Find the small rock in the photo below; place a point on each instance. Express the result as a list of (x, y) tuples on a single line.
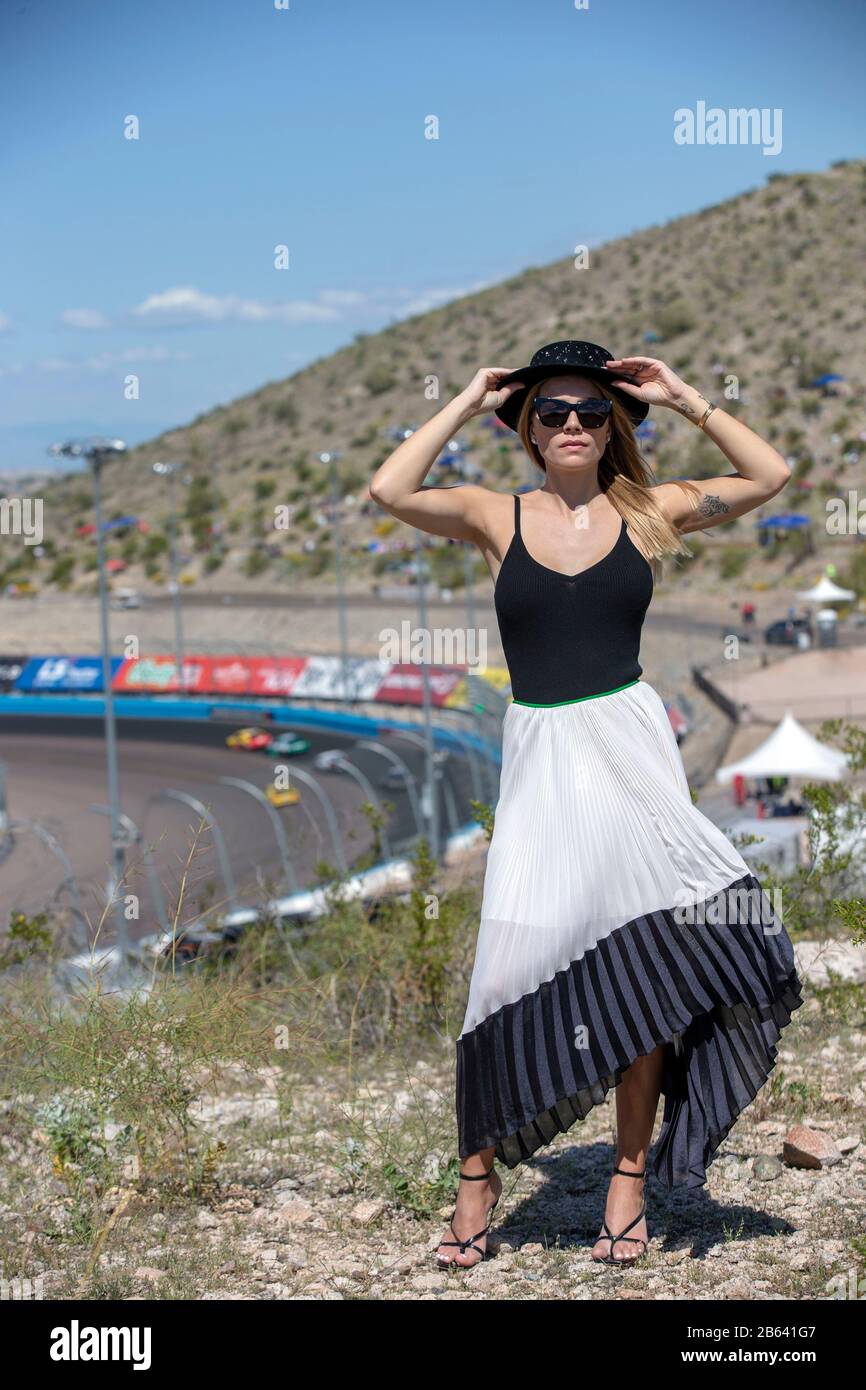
[(532, 1248), (849, 1143), (802, 1259), (149, 1273), (324, 1291), (735, 1288), (295, 1213), (676, 1257), (206, 1221), (294, 1258), (819, 961), (766, 1167), (809, 1148), (365, 1213), (427, 1281)]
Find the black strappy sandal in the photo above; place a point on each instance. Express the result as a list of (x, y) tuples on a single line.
[(608, 1235), (465, 1245)]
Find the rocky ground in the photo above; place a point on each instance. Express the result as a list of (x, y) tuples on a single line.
[(340, 1199)]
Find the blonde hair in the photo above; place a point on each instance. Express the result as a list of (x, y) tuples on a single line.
[(626, 478)]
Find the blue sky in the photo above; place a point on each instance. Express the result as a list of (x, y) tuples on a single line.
[(305, 127)]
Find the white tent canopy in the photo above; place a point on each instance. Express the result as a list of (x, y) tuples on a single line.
[(790, 751), (825, 591)]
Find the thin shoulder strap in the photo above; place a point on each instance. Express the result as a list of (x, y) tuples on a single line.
[(517, 514)]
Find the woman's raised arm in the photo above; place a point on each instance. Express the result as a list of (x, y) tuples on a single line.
[(398, 484), (761, 471)]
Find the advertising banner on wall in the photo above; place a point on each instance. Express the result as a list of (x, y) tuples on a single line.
[(65, 673), (10, 670), (298, 677)]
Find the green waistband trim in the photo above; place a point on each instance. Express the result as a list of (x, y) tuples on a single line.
[(532, 705)]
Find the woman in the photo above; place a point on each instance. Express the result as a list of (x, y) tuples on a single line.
[(623, 941)]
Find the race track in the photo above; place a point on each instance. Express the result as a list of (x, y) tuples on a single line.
[(56, 770)]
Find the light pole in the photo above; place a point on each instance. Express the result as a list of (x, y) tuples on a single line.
[(430, 801), (331, 460), (169, 470), (97, 451)]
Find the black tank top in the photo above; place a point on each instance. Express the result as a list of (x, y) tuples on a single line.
[(568, 637)]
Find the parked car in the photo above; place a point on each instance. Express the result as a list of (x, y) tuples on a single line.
[(126, 598), (251, 739), (288, 744), (783, 633)]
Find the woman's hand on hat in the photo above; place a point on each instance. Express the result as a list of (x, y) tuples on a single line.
[(482, 393), (654, 380)]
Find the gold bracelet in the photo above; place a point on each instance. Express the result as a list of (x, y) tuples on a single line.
[(710, 408)]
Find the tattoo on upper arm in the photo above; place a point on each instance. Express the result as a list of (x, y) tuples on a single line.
[(712, 506)]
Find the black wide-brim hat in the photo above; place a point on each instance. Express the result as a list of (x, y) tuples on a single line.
[(559, 359)]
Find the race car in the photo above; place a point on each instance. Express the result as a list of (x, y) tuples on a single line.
[(288, 744), (282, 796), (251, 739), (328, 759)]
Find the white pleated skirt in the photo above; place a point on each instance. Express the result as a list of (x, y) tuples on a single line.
[(615, 917)]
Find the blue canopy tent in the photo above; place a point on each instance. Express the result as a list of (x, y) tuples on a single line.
[(779, 526), (784, 521)]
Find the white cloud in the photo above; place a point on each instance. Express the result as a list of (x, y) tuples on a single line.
[(108, 361), (84, 318), (5, 323), (105, 361), (54, 364), (186, 305), (348, 299), (419, 302)]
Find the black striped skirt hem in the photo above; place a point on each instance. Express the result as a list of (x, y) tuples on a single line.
[(717, 990)]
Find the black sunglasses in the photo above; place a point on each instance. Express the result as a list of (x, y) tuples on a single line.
[(554, 412)]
